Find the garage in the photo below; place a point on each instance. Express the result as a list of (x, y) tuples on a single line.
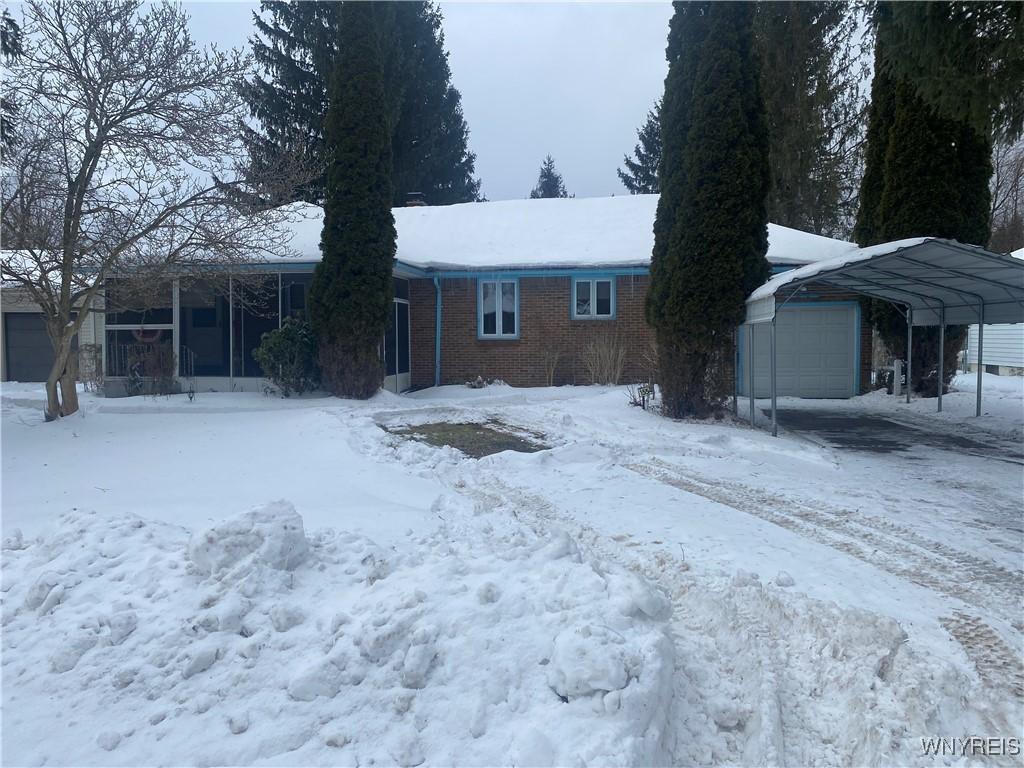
[(817, 352), (27, 349)]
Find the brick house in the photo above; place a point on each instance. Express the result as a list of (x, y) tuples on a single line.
[(526, 291)]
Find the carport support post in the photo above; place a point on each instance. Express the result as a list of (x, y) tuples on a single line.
[(910, 340), (736, 372), (750, 371), (981, 340), (942, 352), (775, 420)]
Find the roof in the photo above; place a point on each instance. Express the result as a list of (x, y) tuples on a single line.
[(931, 275), (598, 232)]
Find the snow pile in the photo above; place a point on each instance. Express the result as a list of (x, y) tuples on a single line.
[(132, 642)]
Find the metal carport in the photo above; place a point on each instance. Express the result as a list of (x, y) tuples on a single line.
[(933, 282)]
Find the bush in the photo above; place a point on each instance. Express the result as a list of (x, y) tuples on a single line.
[(604, 357), (288, 357)]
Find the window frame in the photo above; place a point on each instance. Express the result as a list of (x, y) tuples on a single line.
[(500, 335), (593, 281)]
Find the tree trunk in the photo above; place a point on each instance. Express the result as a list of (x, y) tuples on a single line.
[(62, 372)]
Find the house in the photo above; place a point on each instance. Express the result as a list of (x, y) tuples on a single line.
[(1003, 351), (526, 291)]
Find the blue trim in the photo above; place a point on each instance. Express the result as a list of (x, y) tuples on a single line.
[(497, 308), (510, 274), (437, 332), (591, 279)]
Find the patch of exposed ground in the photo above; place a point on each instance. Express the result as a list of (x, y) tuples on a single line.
[(474, 439)]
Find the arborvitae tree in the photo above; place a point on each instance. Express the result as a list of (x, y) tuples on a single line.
[(351, 293), (933, 181), (549, 182), (296, 45), (811, 80), (640, 175), (711, 231), (10, 50)]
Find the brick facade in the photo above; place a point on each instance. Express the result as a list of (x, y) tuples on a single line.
[(547, 333), (548, 336)]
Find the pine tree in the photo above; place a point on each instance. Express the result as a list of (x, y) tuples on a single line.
[(711, 231), (811, 81), (965, 59), (10, 50), (549, 181), (926, 175), (640, 176), (296, 46), (351, 293)]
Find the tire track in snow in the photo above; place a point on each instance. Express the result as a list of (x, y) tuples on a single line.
[(948, 572)]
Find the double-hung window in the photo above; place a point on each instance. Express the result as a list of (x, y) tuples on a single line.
[(498, 303), (593, 299)]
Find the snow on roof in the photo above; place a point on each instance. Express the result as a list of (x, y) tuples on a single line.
[(599, 232), (842, 260)]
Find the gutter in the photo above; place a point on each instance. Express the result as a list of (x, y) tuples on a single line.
[(437, 331)]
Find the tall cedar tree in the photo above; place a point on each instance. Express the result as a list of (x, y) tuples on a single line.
[(811, 80), (352, 289), (549, 181), (711, 232), (296, 46), (926, 175), (640, 175)]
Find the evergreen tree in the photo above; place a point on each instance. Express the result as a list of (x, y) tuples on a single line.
[(640, 176), (351, 293), (296, 46), (549, 182), (965, 59), (926, 175), (811, 80), (10, 50), (711, 231)]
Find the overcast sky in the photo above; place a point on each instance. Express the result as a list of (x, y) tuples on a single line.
[(571, 79)]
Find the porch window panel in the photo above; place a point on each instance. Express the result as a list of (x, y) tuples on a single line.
[(256, 313), (138, 304), (203, 326)]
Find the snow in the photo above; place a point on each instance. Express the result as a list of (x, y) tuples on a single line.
[(246, 580), (603, 232)]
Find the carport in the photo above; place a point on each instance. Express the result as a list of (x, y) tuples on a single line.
[(931, 281)]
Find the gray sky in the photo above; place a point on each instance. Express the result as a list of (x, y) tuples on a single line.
[(571, 79)]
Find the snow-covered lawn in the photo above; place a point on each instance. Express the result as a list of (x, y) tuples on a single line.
[(243, 580)]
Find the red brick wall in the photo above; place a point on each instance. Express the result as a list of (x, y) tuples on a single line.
[(546, 328), (547, 334)]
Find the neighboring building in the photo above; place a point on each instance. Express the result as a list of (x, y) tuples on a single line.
[(1003, 350), (524, 291)]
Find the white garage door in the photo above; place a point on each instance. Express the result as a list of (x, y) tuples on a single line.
[(817, 355)]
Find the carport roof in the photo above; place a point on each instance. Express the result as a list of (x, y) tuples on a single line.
[(925, 273)]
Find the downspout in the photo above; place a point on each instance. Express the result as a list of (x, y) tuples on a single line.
[(437, 331)]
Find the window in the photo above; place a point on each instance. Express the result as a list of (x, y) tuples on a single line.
[(498, 309), (593, 299)]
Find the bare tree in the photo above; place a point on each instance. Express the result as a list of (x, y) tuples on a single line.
[(128, 162), (1007, 186)]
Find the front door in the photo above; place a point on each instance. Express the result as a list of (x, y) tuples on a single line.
[(396, 341)]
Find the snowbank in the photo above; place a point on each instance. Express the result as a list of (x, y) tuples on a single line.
[(132, 642)]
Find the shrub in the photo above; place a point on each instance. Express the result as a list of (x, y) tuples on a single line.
[(604, 357), (288, 357)]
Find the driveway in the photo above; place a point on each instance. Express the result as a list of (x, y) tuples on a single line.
[(870, 433)]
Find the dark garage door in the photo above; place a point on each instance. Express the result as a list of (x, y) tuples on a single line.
[(28, 349)]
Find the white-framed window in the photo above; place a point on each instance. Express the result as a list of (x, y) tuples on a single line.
[(498, 309), (593, 298)]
